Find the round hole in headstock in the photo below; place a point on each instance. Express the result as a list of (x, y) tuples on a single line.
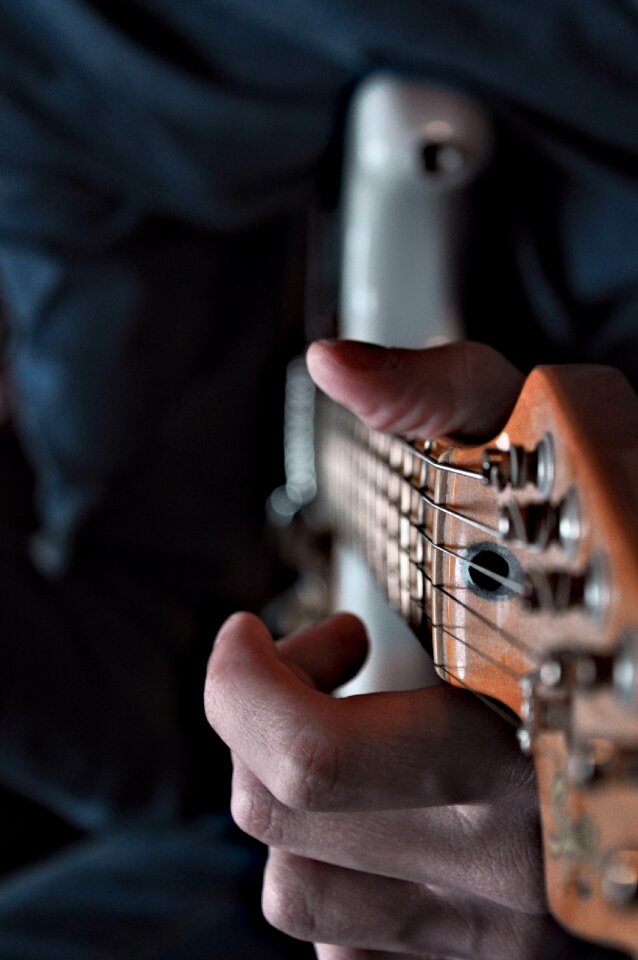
[(491, 571)]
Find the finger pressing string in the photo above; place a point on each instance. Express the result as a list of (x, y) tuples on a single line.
[(431, 392)]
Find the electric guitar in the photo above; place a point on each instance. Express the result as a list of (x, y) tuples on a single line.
[(516, 565)]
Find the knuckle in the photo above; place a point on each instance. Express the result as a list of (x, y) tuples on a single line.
[(286, 904), (308, 773), (221, 682), (257, 813)]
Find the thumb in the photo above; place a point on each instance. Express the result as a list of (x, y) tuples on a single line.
[(460, 388), (327, 654)]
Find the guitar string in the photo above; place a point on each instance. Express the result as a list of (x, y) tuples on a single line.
[(486, 656), (431, 461), (485, 700), (514, 585), (494, 707), (351, 425), (504, 581), (499, 711), (542, 749), (391, 470), (410, 445), (495, 628), (517, 587), (367, 449), (514, 641), (470, 521), (437, 507)]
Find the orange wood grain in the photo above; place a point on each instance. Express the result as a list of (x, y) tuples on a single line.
[(486, 644)]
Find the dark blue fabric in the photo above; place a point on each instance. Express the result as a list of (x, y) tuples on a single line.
[(156, 160), (188, 892), (100, 131)]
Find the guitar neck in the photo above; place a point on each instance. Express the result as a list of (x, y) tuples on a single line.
[(375, 493), (515, 564)]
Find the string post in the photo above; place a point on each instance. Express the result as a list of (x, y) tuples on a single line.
[(515, 467), (541, 524)]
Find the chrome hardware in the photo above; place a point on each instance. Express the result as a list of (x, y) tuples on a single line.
[(547, 693), (551, 673), (624, 667), (300, 487), (620, 878), (516, 467), (569, 522), (539, 524), (559, 591), (490, 571), (592, 759), (534, 525), (524, 740), (553, 591)]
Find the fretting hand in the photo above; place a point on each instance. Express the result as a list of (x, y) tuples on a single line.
[(398, 823)]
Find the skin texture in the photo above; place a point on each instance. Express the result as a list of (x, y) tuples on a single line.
[(399, 824)]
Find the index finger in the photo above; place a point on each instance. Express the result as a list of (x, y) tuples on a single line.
[(377, 751)]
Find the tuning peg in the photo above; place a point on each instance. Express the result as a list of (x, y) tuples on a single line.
[(540, 524), (620, 878), (514, 466), (560, 591)]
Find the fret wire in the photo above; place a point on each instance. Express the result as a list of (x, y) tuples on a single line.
[(383, 453), (513, 585), (463, 518), (465, 643)]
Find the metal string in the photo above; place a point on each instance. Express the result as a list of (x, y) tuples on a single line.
[(503, 714), (514, 585), (483, 527), (425, 457), (466, 643)]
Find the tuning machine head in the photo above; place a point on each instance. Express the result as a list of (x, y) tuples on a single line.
[(538, 525), (515, 466)]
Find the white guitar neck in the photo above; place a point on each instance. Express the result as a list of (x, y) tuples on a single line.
[(412, 155)]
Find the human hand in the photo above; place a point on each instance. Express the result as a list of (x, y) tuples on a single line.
[(399, 823)]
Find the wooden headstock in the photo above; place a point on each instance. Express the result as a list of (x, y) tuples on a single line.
[(562, 651), (518, 561)]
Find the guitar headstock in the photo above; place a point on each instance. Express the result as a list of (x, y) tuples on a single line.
[(536, 605)]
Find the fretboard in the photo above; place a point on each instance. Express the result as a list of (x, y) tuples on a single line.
[(376, 491)]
